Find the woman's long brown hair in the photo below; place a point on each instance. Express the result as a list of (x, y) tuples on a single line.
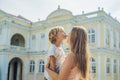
[(79, 46)]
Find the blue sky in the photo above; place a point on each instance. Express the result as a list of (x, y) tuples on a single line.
[(40, 9)]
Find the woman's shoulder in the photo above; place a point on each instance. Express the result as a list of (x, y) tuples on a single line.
[(70, 58), (70, 55)]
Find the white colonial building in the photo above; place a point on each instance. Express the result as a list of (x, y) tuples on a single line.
[(24, 44)]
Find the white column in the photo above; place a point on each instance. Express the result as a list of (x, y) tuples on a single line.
[(118, 41), (5, 37), (118, 70), (26, 68), (105, 35), (43, 41), (46, 39), (18, 71), (105, 67), (27, 44), (112, 69), (33, 42), (3, 65), (35, 70), (98, 35), (99, 67), (111, 39), (6, 67), (11, 72)]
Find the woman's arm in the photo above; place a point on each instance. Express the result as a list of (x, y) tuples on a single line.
[(66, 67), (53, 74), (64, 71)]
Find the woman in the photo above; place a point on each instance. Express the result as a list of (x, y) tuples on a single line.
[(76, 64)]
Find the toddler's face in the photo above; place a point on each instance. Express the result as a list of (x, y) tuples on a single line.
[(61, 35)]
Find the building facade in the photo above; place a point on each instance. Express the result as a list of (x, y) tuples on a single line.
[(24, 44)]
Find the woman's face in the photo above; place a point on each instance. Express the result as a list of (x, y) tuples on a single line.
[(61, 35)]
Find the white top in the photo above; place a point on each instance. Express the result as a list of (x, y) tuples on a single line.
[(59, 55)]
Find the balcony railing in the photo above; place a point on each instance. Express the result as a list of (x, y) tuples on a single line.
[(19, 49), (13, 49)]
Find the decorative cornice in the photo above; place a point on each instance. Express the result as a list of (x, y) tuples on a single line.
[(77, 19), (9, 23), (112, 22), (106, 50), (89, 20)]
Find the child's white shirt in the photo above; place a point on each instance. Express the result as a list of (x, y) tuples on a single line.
[(59, 56)]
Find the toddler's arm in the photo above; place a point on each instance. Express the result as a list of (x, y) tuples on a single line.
[(52, 63)]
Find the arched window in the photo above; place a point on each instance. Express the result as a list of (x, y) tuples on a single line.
[(91, 34), (18, 40), (41, 66), (108, 65), (32, 66), (93, 65), (115, 66)]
